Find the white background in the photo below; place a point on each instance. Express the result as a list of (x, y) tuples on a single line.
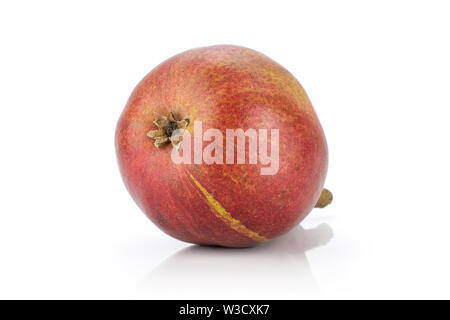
[(378, 74)]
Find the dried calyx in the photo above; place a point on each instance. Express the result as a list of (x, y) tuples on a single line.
[(170, 130)]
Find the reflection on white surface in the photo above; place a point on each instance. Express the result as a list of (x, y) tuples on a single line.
[(278, 269)]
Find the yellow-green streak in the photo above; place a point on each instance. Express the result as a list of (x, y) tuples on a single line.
[(226, 217)]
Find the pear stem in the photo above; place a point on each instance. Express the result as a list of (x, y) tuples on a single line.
[(325, 199)]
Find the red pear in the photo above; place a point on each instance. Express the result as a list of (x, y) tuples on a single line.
[(221, 146)]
